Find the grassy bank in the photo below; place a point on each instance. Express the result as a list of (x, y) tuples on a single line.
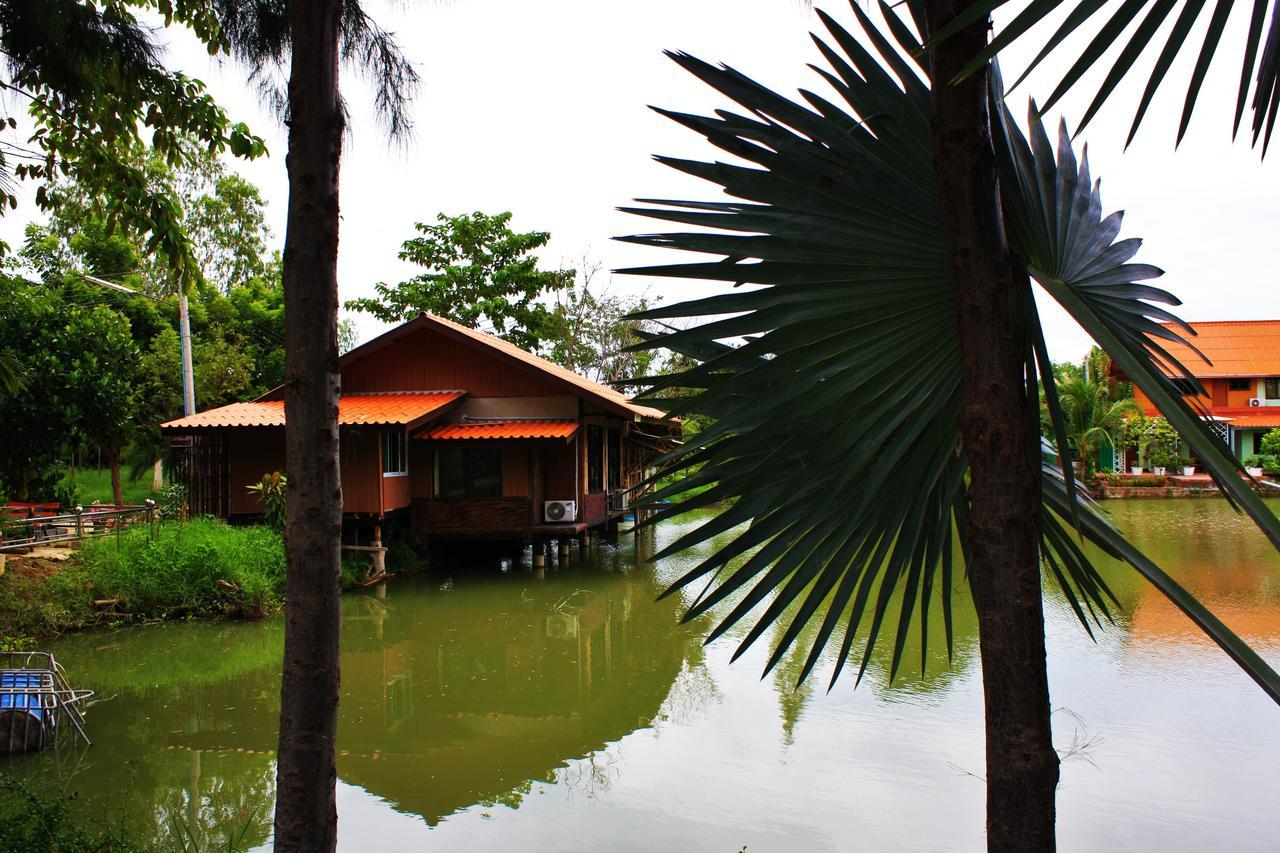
[(199, 568)]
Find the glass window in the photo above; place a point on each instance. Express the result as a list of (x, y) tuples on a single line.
[(395, 453), (595, 459), (469, 473), (1273, 388), (1240, 384)]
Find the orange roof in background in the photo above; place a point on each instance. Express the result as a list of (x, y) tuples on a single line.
[(595, 389), (353, 410), (501, 429), (1248, 418), (1235, 348)]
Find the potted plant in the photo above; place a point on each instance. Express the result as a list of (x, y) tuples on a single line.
[(1161, 458), (1188, 465), (1253, 465), (1134, 438)]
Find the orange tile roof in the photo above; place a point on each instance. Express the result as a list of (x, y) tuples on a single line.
[(595, 389), (1235, 348), (353, 409), (1251, 421), (501, 429)]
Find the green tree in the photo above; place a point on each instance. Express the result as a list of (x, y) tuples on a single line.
[(100, 364), (593, 332), (479, 273), (94, 88), (878, 425)]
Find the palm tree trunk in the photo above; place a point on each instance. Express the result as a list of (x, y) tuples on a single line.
[(999, 423), (306, 775)]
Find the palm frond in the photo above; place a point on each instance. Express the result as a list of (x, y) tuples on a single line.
[(1142, 21), (833, 384), (259, 37)]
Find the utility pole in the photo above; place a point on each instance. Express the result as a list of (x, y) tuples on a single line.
[(184, 332)]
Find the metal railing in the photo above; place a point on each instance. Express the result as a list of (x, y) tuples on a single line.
[(20, 534)]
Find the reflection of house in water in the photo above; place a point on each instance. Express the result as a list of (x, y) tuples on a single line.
[(1235, 593), (468, 697), (473, 703)]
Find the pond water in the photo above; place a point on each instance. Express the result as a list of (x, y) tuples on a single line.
[(494, 711)]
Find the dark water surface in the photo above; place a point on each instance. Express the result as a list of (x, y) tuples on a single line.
[(494, 711)]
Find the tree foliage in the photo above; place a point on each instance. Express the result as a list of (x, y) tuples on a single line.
[(97, 94), (479, 273), (594, 332)]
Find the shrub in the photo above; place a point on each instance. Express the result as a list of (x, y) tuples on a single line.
[(30, 820), (199, 567), (1270, 445), (272, 490)]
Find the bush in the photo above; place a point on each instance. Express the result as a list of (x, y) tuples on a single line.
[(200, 567), (1270, 445), (30, 820)]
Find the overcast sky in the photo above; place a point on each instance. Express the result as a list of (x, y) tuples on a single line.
[(541, 109)]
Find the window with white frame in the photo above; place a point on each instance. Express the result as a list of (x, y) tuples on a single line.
[(395, 453)]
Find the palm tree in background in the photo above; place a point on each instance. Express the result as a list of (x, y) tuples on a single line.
[(1092, 417), (876, 430), (313, 38)]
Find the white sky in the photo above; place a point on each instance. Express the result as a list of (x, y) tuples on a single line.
[(541, 109)]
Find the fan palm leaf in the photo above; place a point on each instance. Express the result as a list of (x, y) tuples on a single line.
[(1259, 73), (834, 386)]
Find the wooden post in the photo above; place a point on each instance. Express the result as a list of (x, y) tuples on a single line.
[(379, 556), (79, 510)]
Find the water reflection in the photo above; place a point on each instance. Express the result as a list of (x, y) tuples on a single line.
[(495, 711), (454, 694)]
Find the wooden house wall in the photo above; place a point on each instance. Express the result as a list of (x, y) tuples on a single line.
[(361, 470), (251, 453), (395, 492), (425, 360), (559, 467)]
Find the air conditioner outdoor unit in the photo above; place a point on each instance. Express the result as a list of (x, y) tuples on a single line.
[(560, 510), (1255, 401)]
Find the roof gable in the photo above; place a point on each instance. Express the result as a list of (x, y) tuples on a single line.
[(508, 354)]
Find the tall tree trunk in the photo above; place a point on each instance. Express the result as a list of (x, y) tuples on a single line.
[(113, 461), (306, 813), (999, 424), (157, 476)]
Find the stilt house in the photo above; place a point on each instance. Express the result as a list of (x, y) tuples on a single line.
[(468, 435)]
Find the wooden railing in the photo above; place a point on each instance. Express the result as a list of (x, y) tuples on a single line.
[(19, 532)]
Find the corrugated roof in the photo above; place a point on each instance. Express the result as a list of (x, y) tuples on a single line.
[(595, 389), (501, 429), (1255, 421), (353, 409), (1235, 348)]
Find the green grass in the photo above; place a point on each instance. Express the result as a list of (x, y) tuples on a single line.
[(201, 567), (94, 485), (175, 569)]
